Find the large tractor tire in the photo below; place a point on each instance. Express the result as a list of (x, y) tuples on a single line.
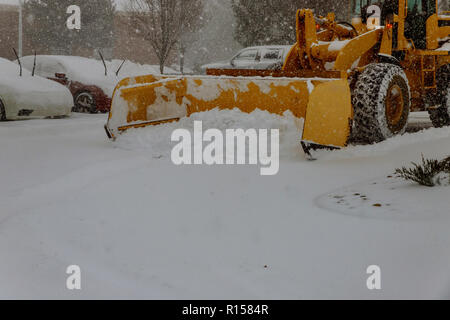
[(381, 101), (441, 115)]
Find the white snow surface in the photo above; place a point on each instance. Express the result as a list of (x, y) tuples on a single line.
[(141, 227)]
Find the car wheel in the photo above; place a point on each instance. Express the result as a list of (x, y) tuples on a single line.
[(85, 102), (2, 111)]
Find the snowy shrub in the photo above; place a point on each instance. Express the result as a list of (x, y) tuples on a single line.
[(429, 173)]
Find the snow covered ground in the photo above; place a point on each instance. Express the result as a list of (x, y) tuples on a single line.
[(140, 227)]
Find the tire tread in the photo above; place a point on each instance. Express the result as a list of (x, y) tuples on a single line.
[(368, 104)]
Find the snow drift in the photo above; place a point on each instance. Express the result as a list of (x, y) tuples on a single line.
[(156, 140)]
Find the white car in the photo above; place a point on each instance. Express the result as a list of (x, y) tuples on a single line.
[(257, 58), (27, 96)]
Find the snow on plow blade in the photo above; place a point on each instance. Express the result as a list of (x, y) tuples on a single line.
[(153, 100)]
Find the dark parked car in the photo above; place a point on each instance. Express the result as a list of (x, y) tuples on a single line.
[(85, 78)]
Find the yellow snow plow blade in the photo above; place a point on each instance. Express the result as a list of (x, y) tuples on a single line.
[(153, 100)]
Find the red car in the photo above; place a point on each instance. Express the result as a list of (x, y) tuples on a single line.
[(91, 89)]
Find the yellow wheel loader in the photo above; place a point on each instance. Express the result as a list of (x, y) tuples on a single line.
[(353, 81)]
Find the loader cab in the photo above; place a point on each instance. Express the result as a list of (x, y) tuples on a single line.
[(373, 13), (366, 9), (419, 11)]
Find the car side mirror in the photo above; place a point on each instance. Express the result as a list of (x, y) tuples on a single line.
[(232, 62), (60, 76)]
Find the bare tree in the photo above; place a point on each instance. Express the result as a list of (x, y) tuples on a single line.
[(164, 22)]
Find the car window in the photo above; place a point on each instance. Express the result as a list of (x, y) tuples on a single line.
[(247, 55), (271, 54)]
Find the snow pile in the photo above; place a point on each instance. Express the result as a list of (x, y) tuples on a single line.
[(156, 140)]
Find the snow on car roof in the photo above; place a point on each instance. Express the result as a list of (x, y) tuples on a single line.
[(10, 79), (10, 68), (73, 63)]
